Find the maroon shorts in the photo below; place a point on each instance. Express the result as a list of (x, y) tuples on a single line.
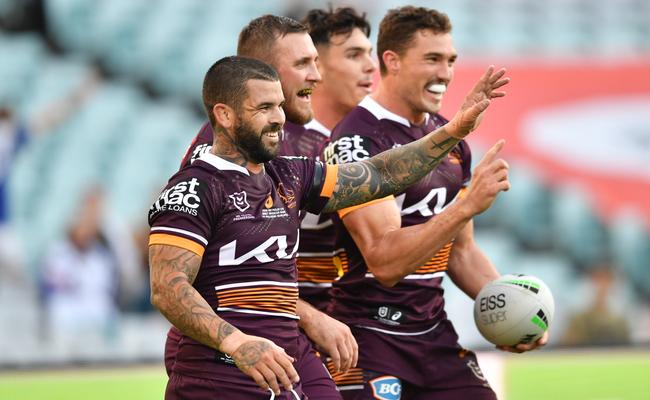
[(428, 366), (230, 383), (171, 348)]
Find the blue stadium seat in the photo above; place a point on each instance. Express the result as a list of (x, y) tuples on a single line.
[(630, 247), (576, 228)]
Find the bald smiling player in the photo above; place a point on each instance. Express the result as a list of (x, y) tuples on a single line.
[(341, 36)]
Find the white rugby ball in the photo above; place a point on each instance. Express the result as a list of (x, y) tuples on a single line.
[(514, 309)]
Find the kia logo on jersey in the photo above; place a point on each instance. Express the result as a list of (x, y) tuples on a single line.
[(239, 201)]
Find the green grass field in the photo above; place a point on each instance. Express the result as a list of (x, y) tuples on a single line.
[(540, 375), (578, 376)]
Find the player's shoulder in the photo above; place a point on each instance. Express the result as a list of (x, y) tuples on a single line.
[(358, 121)]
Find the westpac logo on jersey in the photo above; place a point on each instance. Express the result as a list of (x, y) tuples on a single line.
[(386, 388), (347, 149), (182, 197), (199, 151)]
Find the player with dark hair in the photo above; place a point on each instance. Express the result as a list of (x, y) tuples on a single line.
[(224, 234), (397, 249), (286, 45), (347, 67)]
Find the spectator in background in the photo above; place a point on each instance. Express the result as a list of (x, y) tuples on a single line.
[(598, 324), (79, 279), (15, 135)]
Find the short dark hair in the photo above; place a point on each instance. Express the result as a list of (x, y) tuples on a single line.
[(225, 81), (323, 24), (257, 39), (397, 29)]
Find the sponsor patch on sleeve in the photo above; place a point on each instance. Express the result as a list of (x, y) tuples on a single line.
[(183, 197), (347, 149)]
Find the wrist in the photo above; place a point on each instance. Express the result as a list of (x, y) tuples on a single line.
[(465, 209), (231, 343)]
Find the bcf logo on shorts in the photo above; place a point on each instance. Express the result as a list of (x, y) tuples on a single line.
[(386, 388)]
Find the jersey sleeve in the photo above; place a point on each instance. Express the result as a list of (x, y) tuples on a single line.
[(318, 183), (200, 144), (346, 147), (183, 214)]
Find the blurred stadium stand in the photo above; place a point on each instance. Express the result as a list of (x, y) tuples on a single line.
[(130, 135)]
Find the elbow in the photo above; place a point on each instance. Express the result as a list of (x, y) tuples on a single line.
[(157, 298), (384, 276)]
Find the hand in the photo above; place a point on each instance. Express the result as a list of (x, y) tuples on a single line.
[(261, 359), (470, 115), (521, 348), (335, 339), (489, 178)]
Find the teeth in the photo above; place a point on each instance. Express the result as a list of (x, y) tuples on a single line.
[(437, 88), (305, 92)]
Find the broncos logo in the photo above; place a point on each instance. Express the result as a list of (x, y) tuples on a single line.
[(239, 201), (287, 195)]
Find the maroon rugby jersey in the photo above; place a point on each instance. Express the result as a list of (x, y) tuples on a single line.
[(415, 304), (316, 269), (245, 226)]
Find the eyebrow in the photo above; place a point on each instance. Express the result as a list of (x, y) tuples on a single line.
[(303, 60), (357, 48), (436, 54)]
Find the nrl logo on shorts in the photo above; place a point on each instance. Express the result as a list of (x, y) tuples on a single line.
[(239, 201)]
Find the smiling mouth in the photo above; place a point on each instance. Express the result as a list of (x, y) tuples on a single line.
[(437, 88), (305, 93)]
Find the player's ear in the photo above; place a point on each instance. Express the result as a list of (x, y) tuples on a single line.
[(224, 115), (391, 61)]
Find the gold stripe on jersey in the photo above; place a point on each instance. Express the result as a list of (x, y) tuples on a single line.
[(345, 211), (274, 299), (331, 176), (341, 262), (316, 269), (438, 262), (353, 376), (176, 241)]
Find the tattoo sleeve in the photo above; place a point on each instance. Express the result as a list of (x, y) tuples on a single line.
[(172, 271), (389, 172)]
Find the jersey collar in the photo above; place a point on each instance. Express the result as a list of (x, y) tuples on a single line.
[(318, 127), (380, 112), (221, 164)]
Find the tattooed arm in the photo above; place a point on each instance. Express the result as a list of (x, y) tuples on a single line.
[(394, 170), (172, 271)]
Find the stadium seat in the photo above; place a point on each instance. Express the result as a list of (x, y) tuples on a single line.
[(576, 228), (630, 248)]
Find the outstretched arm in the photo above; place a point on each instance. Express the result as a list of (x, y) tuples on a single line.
[(172, 271), (394, 170)]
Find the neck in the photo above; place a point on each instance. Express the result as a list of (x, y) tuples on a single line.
[(224, 147), (327, 111), (388, 96)]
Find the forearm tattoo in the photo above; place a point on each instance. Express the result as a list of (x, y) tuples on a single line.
[(172, 272), (389, 172)]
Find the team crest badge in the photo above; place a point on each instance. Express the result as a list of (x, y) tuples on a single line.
[(239, 201), (386, 388)]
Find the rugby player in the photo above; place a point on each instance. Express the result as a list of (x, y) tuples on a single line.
[(397, 249), (225, 275)]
